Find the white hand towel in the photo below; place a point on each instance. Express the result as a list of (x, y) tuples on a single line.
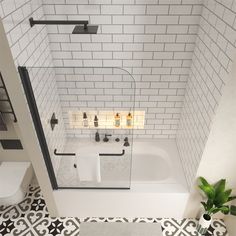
[(88, 166)]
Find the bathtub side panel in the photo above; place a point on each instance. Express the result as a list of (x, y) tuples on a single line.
[(115, 203)]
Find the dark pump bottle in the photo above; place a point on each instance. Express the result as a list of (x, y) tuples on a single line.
[(97, 137), (95, 121), (85, 120)]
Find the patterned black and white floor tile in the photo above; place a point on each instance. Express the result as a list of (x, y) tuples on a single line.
[(31, 218)]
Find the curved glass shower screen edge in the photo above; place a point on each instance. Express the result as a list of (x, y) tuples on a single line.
[(87, 116)]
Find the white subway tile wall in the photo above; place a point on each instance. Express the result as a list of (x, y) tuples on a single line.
[(212, 61), (153, 40), (95, 89), (172, 48), (30, 47)]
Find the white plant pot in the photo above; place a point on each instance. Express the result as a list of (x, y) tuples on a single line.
[(204, 223)]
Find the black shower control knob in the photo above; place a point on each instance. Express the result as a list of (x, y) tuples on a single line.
[(117, 140), (54, 121)]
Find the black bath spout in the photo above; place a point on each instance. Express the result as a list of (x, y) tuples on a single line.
[(113, 154), (106, 139)]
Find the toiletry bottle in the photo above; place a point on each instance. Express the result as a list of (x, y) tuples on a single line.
[(97, 137), (117, 120), (85, 120), (95, 121), (129, 120)]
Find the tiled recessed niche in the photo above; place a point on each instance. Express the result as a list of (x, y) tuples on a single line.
[(106, 119)]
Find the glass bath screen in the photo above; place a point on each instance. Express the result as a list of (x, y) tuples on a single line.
[(88, 119)]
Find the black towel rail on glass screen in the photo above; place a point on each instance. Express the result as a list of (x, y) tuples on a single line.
[(112, 154), (63, 154)]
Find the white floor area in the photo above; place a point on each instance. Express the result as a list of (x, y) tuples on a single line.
[(120, 229)]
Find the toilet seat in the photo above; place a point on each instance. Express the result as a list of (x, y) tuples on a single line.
[(14, 180)]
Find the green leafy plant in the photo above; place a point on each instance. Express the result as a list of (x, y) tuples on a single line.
[(217, 197)]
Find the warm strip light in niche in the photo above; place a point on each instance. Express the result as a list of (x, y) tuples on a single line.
[(106, 119)]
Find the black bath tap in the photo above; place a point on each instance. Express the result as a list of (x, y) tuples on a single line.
[(126, 144), (106, 139)]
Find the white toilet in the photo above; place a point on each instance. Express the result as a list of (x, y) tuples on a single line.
[(15, 178)]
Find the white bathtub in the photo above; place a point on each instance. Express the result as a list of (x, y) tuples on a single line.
[(156, 166), (158, 187)]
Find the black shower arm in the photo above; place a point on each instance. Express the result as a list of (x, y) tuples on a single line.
[(58, 22)]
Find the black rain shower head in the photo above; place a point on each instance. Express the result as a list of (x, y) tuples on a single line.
[(81, 27), (89, 29)]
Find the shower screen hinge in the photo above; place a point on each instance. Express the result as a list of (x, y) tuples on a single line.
[(53, 121)]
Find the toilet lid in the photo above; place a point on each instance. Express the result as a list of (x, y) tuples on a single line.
[(11, 177)]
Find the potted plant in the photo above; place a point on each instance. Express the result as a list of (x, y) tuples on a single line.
[(217, 200)]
